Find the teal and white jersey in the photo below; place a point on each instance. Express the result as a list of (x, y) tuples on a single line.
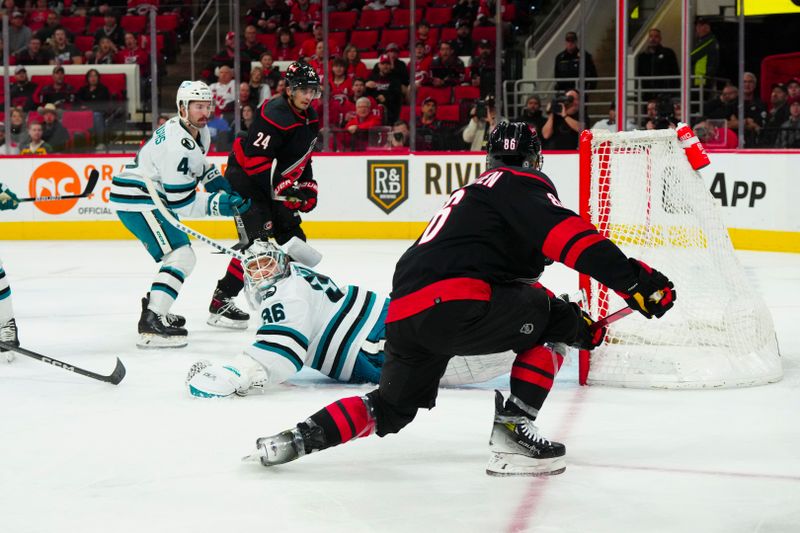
[(309, 321), (176, 163)]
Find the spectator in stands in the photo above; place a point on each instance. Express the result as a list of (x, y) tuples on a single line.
[(285, 49), (400, 136), (18, 33), (103, 52), (316, 60), (610, 123), (110, 29), (63, 52), (704, 56), (280, 89), (53, 23), (355, 67), (561, 130), (462, 44), (95, 97), (755, 111), (431, 134), (309, 47), (793, 88), (303, 15), (259, 89), (359, 91), (226, 57), (37, 16), (381, 4), (778, 114), (568, 64), (399, 69), (338, 82), (248, 115), (246, 97), (54, 133), (133, 54), (483, 119), (33, 54), (59, 93), (446, 69), (482, 68), (224, 93), (272, 74), (532, 114), (22, 89), (657, 60), (251, 46), (790, 130), (269, 16), (650, 115), (423, 64), (364, 119), (6, 148), (466, 10), (19, 133), (725, 106), (35, 145), (385, 88), (425, 37)]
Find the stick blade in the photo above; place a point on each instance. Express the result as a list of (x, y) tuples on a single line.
[(119, 372), (94, 176)]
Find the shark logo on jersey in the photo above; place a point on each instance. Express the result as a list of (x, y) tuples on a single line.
[(188, 143), (387, 183)]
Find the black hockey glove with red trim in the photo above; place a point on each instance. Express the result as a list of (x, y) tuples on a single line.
[(309, 190), (653, 294), (585, 337)]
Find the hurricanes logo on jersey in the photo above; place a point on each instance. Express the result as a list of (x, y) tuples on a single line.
[(387, 183)]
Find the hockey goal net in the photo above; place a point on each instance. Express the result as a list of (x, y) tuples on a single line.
[(640, 191)]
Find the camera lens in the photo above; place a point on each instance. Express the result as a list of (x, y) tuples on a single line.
[(398, 136)]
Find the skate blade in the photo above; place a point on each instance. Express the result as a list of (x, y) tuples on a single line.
[(506, 465), (226, 323), (148, 341)]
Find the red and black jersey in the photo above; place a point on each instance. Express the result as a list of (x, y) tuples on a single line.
[(278, 144), (502, 228)]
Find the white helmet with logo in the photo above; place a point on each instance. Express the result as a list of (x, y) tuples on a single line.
[(192, 91)]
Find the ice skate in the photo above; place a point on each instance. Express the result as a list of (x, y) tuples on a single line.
[(8, 335), (225, 314), (286, 446), (172, 320), (155, 332), (516, 447)]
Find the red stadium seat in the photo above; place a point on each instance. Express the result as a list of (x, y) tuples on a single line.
[(374, 18), (144, 42), (441, 95), (76, 25), (448, 34), (509, 11), (76, 80), (401, 17), (368, 54), (438, 16), (466, 92), (133, 23), (78, 123), (95, 23), (115, 83), (167, 23), (339, 38), (447, 113), (405, 113), (398, 37), (364, 39), (301, 36), (484, 32), (342, 20), (444, 3), (406, 4), (267, 40), (84, 43)]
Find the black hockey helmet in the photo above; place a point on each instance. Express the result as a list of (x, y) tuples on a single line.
[(513, 143), (301, 75)]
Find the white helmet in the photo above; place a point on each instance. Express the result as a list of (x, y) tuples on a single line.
[(264, 266), (192, 91)]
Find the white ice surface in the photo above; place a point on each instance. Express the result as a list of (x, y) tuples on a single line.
[(82, 456)]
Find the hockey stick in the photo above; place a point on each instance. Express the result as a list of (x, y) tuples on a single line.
[(610, 319), (94, 175), (240, 231), (167, 214), (114, 378)]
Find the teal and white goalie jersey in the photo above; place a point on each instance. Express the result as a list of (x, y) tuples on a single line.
[(176, 162), (309, 321)]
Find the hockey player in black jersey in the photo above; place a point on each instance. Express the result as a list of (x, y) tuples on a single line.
[(271, 165), (467, 286)]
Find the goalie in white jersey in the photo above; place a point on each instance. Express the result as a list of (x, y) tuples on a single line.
[(174, 161), (310, 321)]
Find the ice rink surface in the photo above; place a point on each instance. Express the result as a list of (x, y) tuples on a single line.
[(78, 455)]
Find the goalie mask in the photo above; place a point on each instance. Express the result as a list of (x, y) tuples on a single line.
[(514, 144), (264, 266)]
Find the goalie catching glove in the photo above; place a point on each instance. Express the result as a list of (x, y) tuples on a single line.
[(652, 294), (301, 195)]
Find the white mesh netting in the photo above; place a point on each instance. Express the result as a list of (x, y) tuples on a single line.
[(476, 368), (649, 201)]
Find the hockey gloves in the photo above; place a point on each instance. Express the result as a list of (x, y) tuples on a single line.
[(213, 181), (586, 337), (8, 200), (222, 203), (652, 294), (297, 195)]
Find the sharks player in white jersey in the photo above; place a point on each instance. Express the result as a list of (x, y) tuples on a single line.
[(8, 325), (174, 160), (310, 321)]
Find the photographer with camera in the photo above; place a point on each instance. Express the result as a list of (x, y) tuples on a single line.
[(563, 126), (399, 137), (483, 119)]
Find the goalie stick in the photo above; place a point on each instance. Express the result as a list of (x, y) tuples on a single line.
[(94, 176), (151, 189), (114, 378)]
